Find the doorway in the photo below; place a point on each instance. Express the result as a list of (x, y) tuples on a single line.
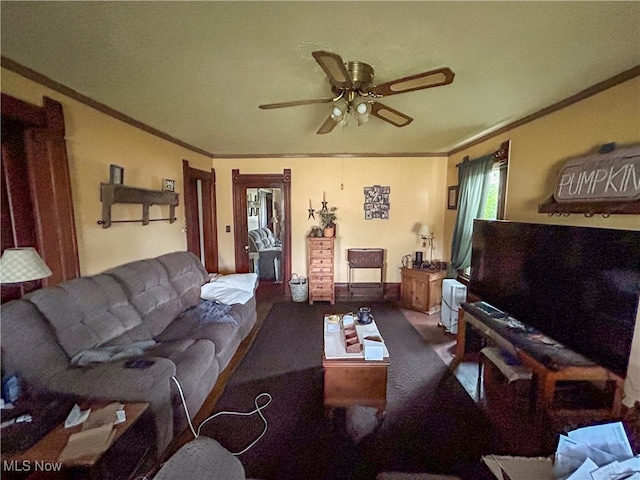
[(200, 214), (263, 202), (264, 214), (37, 207)]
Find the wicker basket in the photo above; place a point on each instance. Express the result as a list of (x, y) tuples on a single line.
[(299, 288)]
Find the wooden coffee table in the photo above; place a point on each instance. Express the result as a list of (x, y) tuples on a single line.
[(349, 379)]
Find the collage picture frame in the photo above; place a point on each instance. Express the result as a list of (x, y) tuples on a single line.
[(377, 202)]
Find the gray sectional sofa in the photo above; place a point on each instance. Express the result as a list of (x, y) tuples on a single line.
[(140, 308)]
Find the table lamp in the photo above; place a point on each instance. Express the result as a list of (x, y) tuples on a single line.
[(22, 264), (427, 237)]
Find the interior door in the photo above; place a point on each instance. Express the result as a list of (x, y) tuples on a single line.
[(200, 215)]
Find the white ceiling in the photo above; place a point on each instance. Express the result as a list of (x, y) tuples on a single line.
[(197, 71)]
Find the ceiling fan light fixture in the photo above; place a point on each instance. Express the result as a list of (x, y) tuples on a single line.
[(361, 109), (339, 109), (355, 95)]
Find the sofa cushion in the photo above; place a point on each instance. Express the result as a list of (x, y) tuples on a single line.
[(186, 274), (225, 336), (23, 325), (245, 315), (147, 285), (87, 312), (196, 371)]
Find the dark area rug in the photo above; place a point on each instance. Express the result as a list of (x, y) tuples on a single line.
[(430, 423)]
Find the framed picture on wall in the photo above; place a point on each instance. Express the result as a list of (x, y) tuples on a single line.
[(377, 202), (452, 198), (168, 185), (116, 174)]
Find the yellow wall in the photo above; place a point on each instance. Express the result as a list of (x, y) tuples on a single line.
[(94, 141), (539, 148), (418, 185), (416, 197)]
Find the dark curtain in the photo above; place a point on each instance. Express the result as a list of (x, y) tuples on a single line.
[(473, 178)]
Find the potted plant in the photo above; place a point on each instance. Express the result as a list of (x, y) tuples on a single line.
[(327, 221)]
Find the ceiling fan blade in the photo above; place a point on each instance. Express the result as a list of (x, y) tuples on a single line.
[(269, 106), (328, 125), (390, 115), (432, 78), (335, 69)]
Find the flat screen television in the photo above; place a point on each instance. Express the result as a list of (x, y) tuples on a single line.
[(578, 285)]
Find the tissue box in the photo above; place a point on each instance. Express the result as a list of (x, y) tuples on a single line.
[(373, 349)]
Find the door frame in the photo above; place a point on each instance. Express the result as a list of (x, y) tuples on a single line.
[(209, 217), (240, 184), (49, 184)]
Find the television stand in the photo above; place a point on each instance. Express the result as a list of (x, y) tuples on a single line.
[(550, 363), (490, 310)]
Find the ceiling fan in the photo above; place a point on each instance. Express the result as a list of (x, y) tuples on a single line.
[(354, 92)]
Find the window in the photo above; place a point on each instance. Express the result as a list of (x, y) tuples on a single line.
[(494, 208)]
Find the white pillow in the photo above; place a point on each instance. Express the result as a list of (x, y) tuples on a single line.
[(224, 293), (242, 281)]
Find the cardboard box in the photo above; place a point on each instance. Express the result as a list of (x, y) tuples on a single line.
[(520, 468)]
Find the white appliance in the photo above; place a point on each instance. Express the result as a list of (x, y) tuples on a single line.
[(453, 295)]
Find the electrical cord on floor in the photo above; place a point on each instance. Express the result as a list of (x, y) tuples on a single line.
[(257, 410), (449, 306), (455, 322)]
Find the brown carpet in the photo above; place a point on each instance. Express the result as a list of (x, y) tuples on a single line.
[(430, 425)]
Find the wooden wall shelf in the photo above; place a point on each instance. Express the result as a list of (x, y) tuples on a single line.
[(589, 209), (112, 193)]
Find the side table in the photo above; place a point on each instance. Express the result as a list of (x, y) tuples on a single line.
[(366, 258), (43, 456), (421, 290)]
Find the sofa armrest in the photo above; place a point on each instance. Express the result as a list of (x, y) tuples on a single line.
[(114, 381)]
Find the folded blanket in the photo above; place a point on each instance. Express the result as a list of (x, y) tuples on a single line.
[(214, 311), (110, 354)]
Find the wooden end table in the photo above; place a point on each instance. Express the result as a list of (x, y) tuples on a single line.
[(43, 456)]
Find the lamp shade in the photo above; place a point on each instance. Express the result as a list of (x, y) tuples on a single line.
[(22, 265), (424, 231), (339, 109)]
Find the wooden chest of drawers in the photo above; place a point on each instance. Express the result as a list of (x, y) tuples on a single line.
[(320, 269)]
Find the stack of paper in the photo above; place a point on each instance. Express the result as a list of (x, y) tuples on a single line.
[(600, 452), (97, 431)]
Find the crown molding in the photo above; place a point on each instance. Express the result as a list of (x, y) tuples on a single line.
[(587, 92), (58, 87), (26, 72)]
